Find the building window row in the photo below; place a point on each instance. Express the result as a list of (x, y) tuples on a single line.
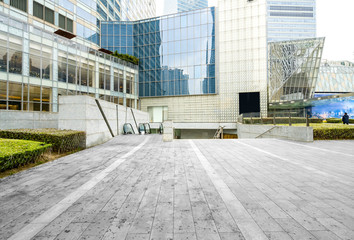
[(43, 13), (20, 96), (291, 8), (291, 14)]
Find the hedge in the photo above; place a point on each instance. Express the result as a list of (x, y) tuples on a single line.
[(330, 131), (333, 133), (61, 140), (280, 120), (337, 120), (15, 153)]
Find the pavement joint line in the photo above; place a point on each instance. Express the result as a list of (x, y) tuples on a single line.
[(248, 227), (34, 227), (322, 149), (284, 159)]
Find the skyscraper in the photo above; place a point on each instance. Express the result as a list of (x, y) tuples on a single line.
[(291, 20), (174, 6), (188, 5)]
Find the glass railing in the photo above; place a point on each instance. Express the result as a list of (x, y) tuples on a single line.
[(128, 129)]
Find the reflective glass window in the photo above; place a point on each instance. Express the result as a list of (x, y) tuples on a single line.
[(3, 55)]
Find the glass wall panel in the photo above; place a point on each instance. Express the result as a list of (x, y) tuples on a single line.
[(3, 95), (91, 73), (3, 56), (34, 98), (15, 96), (15, 61), (101, 77)]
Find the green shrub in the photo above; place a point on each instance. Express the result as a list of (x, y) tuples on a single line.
[(126, 57), (61, 140), (337, 120), (15, 153), (333, 133)]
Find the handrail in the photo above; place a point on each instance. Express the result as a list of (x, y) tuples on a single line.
[(266, 131)]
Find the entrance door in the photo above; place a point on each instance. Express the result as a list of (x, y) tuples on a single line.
[(249, 102)]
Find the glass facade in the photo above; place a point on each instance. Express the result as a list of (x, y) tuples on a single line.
[(188, 5), (176, 52), (293, 68), (36, 66), (336, 78), (291, 20)]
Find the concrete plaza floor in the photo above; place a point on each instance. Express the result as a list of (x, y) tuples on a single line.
[(138, 187)]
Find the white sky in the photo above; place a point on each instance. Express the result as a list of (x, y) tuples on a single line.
[(335, 21)]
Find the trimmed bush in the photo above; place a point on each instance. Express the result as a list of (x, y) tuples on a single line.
[(333, 133), (337, 120), (61, 140), (15, 153), (280, 120)]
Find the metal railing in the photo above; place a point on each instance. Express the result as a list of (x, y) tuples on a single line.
[(288, 117)]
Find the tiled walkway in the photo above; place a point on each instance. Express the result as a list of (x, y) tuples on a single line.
[(138, 187)]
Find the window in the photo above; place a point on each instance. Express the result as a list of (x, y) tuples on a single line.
[(65, 23), (43, 13), (19, 4), (49, 15), (38, 10), (69, 25), (62, 21)]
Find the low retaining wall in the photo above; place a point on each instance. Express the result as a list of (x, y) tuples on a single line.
[(82, 113), (10, 119), (77, 113), (304, 134)]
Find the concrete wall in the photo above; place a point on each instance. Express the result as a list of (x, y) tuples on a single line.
[(82, 113), (304, 134), (22, 119)]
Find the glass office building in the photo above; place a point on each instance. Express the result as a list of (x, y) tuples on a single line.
[(291, 20), (188, 5), (50, 48), (176, 52)]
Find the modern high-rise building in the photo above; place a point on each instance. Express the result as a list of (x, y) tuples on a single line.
[(291, 20), (177, 6), (188, 5), (51, 48), (201, 66)]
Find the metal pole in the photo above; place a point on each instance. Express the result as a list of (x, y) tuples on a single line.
[(289, 118), (104, 117), (307, 120), (134, 119), (117, 119)]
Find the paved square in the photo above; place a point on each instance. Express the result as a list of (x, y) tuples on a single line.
[(138, 187)]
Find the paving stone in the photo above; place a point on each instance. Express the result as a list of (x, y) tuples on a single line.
[(186, 189)]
